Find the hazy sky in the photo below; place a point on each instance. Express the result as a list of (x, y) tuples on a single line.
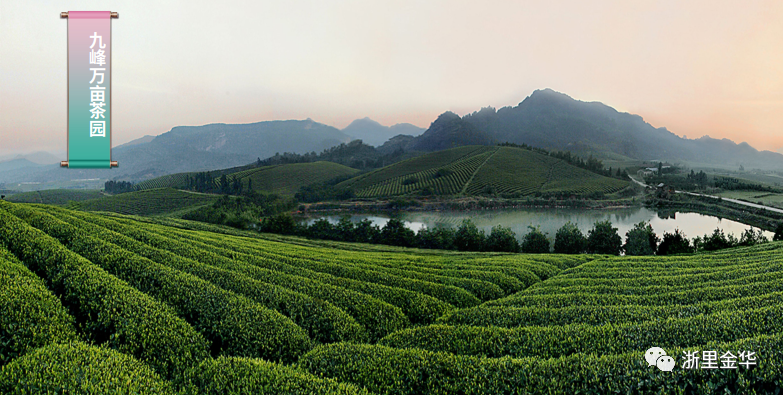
[(695, 67)]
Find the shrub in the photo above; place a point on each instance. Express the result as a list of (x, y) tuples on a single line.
[(233, 323), (378, 317), (603, 239), (322, 320), (76, 368), (570, 240), (386, 370), (641, 240), (556, 341), (240, 376), (30, 315), (535, 242), (109, 309)]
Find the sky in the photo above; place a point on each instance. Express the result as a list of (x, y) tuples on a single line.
[(695, 67)]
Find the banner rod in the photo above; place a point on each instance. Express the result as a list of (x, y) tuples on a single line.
[(113, 163), (114, 15)]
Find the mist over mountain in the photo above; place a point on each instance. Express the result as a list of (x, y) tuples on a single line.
[(553, 120), (198, 148), (140, 140), (375, 134), (39, 157), (16, 164)]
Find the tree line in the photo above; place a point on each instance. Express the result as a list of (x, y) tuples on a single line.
[(117, 187), (603, 238)]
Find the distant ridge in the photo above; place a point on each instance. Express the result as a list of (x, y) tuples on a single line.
[(375, 134)]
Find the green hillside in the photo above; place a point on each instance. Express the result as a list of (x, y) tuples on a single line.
[(287, 179), (474, 170), (280, 179), (176, 181), (55, 196), (149, 202), (195, 308)]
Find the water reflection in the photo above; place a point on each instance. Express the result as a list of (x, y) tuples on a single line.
[(550, 220)]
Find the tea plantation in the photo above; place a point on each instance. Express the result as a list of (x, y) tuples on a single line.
[(474, 170), (95, 303)]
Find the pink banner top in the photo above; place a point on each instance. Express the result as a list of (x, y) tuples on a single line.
[(89, 14)]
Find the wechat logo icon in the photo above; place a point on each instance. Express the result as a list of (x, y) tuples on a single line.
[(656, 356)]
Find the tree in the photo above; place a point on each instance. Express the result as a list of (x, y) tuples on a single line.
[(674, 243), (752, 237), (437, 238), (366, 232), (502, 240), (321, 229), (778, 233), (716, 241), (570, 240), (397, 234), (604, 239), (282, 224), (535, 242), (641, 240), (345, 229), (468, 237)]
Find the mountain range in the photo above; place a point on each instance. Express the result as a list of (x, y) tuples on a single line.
[(545, 119), (375, 134), (555, 121), (197, 148)]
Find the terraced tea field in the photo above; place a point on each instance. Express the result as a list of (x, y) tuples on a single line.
[(287, 179), (278, 179), (55, 196), (149, 202), (108, 304), (474, 170)]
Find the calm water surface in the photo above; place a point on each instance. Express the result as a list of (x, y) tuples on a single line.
[(550, 220)]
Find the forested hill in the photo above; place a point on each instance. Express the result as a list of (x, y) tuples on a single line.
[(199, 148), (553, 120)]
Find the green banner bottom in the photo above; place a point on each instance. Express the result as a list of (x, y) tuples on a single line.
[(89, 164)]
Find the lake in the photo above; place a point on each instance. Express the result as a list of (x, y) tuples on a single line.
[(550, 220)]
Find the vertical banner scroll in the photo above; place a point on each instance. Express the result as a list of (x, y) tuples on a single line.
[(89, 89)]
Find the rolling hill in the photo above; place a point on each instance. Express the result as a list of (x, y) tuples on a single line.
[(473, 170), (149, 202), (55, 196), (197, 148), (278, 179), (287, 179)]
